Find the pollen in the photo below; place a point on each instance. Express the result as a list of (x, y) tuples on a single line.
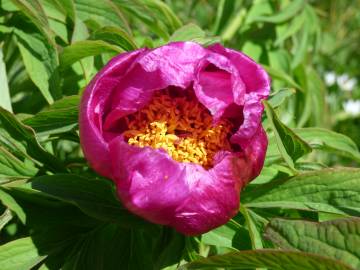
[(180, 125)]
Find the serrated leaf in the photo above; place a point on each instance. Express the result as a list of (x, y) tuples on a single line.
[(291, 147), (85, 48), (20, 254), (331, 190), (329, 141), (62, 116), (273, 259), (338, 239)]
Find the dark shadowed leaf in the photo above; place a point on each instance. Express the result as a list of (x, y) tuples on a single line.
[(20, 138), (62, 116), (94, 197), (274, 259)]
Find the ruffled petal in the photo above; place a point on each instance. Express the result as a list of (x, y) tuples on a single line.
[(217, 84), (92, 108), (250, 136), (170, 65)]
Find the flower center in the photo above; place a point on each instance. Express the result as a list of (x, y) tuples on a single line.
[(180, 125)]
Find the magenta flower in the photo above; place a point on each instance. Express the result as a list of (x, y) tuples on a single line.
[(178, 129)]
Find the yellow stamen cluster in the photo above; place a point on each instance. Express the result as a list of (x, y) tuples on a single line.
[(180, 125)]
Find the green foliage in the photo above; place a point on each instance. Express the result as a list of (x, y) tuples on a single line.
[(318, 237), (56, 213)]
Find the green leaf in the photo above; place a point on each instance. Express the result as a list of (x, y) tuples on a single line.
[(102, 13), (254, 233), (329, 141), (287, 13), (5, 218), (5, 101), (20, 254), (274, 259), (291, 28), (291, 147), (153, 13), (11, 203), (280, 96), (338, 239), (224, 10), (281, 75), (187, 32), (95, 198), (231, 236), (35, 12), (41, 60), (11, 166), (62, 116), (21, 138), (85, 48), (234, 25), (302, 47), (331, 190), (116, 36), (192, 32)]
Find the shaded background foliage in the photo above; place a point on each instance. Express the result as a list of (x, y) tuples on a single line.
[(300, 213)]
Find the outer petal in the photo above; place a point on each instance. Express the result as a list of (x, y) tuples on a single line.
[(215, 197), (182, 195), (92, 109)]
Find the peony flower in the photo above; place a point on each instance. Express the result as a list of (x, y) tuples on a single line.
[(178, 129)]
